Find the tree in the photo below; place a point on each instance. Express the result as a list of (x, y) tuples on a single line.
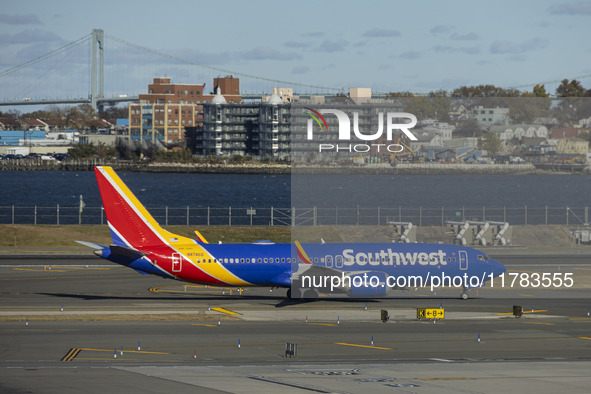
[(538, 91), (468, 128), (484, 91), (528, 109), (85, 151), (492, 143), (434, 107), (400, 94), (570, 89), (115, 113)]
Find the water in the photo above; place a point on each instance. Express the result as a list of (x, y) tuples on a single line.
[(438, 191), (49, 188), (424, 199)]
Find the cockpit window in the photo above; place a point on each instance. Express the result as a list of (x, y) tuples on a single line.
[(482, 257)]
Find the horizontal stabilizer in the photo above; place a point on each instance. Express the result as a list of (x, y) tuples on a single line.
[(92, 245), (122, 251)]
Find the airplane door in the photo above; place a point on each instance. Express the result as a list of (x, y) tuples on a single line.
[(328, 261), (463, 260), (176, 262)]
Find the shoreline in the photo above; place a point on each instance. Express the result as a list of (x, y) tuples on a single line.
[(287, 169)]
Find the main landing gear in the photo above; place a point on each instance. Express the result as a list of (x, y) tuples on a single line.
[(305, 294), (464, 295)]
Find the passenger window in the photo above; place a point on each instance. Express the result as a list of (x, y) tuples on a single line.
[(242, 261)]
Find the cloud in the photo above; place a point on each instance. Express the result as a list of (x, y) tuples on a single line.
[(331, 46), (297, 44), (29, 37), (382, 33), (300, 70), (578, 8), (267, 53), (124, 54), (442, 29), (465, 37), (450, 49), (315, 34), (19, 19), (410, 55), (503, 47)]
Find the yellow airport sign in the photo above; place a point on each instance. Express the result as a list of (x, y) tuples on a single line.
[(430, 313)]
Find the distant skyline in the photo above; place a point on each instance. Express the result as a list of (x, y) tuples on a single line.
[(417, 46)]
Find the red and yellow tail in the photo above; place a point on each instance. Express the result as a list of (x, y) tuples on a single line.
[(130, 223)]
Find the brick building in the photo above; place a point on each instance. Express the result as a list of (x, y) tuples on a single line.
[(163, 113)]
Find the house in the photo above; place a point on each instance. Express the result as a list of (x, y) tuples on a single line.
[(9, 124), (490, 116), (519, 131), (458, 112), (443, 129), (33, 124), (572, 146), (425, 140), (466, 142), (564, 132)]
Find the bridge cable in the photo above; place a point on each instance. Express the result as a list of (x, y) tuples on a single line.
[(162, 54), (46, 56)]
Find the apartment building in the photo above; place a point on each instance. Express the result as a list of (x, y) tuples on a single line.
[(168, 108)]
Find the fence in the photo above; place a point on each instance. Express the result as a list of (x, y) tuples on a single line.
[(231, 216)]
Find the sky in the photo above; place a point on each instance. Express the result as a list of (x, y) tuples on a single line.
[(417, 46)]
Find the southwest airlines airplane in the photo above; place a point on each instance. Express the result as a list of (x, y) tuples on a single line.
[(346, 269)]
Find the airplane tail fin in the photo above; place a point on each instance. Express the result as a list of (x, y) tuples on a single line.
[(130, 223)]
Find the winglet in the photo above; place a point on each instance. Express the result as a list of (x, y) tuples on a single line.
[(302, 253), (200, 237)]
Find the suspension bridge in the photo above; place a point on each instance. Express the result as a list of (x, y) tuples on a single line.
[(101, 70)]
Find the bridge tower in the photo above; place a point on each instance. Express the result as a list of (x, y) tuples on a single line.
[(97, 71)]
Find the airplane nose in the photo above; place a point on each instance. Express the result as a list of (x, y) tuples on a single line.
[(497, 268)]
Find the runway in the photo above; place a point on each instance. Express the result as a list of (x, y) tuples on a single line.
[(82, 312)]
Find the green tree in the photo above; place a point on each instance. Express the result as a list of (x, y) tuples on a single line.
[(114, 112), (468, 128), (570, 89), (484, 91), (492, 143), (529, 108), (400, 94), (87, 151), (538, 91)]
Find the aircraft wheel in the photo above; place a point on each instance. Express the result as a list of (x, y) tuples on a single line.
[(310, 295), (293, 294), (464, 296)]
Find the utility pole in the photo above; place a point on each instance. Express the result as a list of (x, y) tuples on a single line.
[(98, 41)]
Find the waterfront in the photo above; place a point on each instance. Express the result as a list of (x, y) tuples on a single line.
[(48, 188)]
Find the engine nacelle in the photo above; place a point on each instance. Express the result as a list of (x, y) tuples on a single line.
[(369, 284)]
